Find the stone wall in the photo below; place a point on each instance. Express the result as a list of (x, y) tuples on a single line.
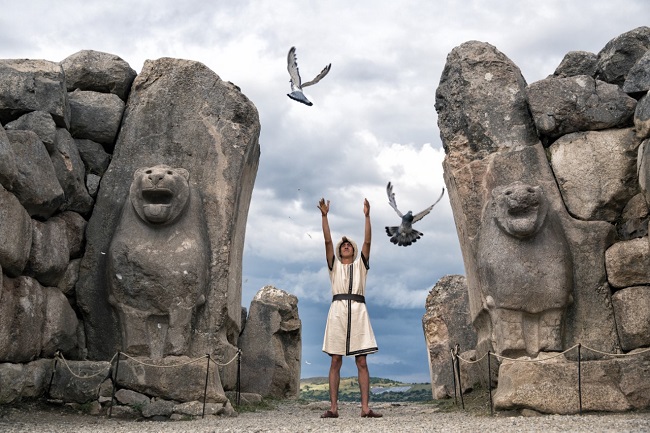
[(123, 207), (547, 184)]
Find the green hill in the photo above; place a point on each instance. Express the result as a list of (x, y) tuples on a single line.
[(317, 388)]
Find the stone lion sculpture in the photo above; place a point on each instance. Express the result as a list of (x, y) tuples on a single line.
[(158, 262), (525, 271)]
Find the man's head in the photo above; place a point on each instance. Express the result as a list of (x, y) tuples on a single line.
[(346, 249)]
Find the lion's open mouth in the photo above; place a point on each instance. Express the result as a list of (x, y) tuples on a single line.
[(162, 196)]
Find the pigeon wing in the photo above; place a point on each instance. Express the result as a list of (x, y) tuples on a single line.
[(391, 199), (319, 77), (419, 216), (292, 67)]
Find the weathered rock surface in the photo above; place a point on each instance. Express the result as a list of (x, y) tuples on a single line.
[(16, 234), (35, 182), (71, 173), (172, 378), (271, 345), (632, 309), (620, 55), (580, 103), (78, 381), (41, 123), (94, 157), (34, 321), (628, 263), (99, 72), (596, 172), (95, 116), (24, 381), (33, 85), (50, 253), (447, 323), (638, 78), (8, 170), (577, 63), (642, 117), (552, 386)]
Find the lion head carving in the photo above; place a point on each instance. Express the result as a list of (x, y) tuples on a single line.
[(519, 209), (160, 194)]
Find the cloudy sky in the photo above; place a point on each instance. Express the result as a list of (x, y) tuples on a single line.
[(373, 121)]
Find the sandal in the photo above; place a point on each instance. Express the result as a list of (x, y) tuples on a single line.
[(329, 414), (371, 414)]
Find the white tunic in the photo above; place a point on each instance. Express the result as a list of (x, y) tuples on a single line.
[(348, 331)]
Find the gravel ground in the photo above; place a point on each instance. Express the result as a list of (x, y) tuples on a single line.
[(302, 417)]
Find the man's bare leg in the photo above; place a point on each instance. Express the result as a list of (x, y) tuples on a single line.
[(334, 381)]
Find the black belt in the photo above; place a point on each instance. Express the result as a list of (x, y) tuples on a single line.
[(349, 297)]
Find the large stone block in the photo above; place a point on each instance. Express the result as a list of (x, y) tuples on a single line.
[(596, 172), (632, 310), (628, 263), (34, 321), (71, 173), (16, 234), (95, 116), (33, 85), (49, 255), (98, 71), (563, 105), (78, 381), (35, 182), (271, 345), (620, 54), (615, 385), (172, 378), (24, 381), (41, 123)]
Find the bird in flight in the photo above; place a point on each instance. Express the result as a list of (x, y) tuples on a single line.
[(296, 84), (404, 234)]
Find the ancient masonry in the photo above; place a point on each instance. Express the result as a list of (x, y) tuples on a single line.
[(123, 207), (548, 184)]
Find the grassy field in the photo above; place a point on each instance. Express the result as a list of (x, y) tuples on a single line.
[(317, 388)]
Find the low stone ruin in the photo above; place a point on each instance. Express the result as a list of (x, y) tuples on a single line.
[(548, 186), (123, 207)]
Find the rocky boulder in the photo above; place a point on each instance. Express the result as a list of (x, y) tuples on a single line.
[(99, 72), (271, 345), (585, 165), (447, 323), (35, 182), (33, 85), (579, 103)]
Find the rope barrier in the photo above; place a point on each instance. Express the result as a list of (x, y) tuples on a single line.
[(192, 361), (229, 362), (60, 356), (455, 355), (616, 354)]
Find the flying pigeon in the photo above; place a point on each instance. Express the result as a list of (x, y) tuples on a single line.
[(296, 84), (405, 235)]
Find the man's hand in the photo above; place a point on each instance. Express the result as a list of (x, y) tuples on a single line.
[(324, 206)]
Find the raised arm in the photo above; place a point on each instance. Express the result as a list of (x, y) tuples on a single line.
[(329, 246), (365, 249)]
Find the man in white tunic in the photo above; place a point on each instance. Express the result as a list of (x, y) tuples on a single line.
[(348, 331)]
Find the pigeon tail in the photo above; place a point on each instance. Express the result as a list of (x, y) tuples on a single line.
[(403, 239), (297, 95)]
